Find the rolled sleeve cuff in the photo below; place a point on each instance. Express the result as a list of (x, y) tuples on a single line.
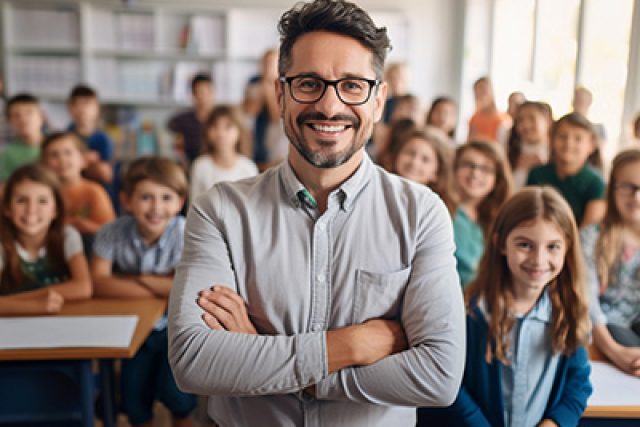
[(311, 360), (329, 388)]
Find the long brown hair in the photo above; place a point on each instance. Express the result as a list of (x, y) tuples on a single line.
[(503, 187), (12, 277), (609, 243), (442, 185), (514, 145), (568, 293)]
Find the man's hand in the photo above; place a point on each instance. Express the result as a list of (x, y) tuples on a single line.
[(364, 344), (225, 310)]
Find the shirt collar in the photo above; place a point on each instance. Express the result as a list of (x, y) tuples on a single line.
[(541, 311), (26, 256), (347, 192)]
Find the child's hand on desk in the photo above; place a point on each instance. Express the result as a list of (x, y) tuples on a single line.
[(225, 310), (628, 359), (48, 302)]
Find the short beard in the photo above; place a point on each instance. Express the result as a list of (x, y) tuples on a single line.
[(318, 159)]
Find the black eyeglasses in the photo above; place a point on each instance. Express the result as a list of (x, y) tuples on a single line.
[(350, 90)]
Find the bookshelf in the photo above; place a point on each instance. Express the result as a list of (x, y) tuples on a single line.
[(136, 55)]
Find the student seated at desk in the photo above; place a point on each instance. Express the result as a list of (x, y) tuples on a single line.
[(42, 262), (527, 323), (134, 257), (612, 252)]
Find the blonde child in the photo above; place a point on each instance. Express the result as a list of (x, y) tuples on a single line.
[(612, 252), (42, 263), (528, 144), (87, 204), (224, 134), (527, 321), (483, 182), (425, 159), (574, 149), (135, 257)]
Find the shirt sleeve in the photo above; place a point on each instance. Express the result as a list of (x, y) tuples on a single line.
[(206, 361), (104, 243), (429, 373), (588, 238), (101, 207), (197, 179), (597, 188), (72, 242)]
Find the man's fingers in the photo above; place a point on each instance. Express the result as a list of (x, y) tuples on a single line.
[(212, 322), (212, 308)]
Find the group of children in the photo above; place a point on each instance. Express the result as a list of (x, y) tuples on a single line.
[(521, 255), (543, 267)]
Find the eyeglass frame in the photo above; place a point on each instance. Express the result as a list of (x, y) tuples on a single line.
[(373, 83), (626, 189), (485, 169)]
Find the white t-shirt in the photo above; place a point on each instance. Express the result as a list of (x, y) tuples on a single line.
[(205, 173)]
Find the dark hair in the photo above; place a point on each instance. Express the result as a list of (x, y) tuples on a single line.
[(21, 98), (397, 133), (57, 136), (514, 145), (161, 170), (200, 78), (12, 277), (334, 16), (82, 91), (578, 120), (231, 113), (636, 126), (441, 100)]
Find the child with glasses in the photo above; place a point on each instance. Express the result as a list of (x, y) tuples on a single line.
[(573, 168), (483, 182), (612, 252)]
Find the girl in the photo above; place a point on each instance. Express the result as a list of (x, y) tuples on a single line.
[(574, 148), (425, 159), (527, 321), (528, 144), (443, 115), (38, 250), (487, 123), (612, 252), (483, 183), (224, 133)]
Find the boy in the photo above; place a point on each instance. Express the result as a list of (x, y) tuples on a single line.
[(87, 204), (188, 124), (84, 109), (134, 257), (26, 120)]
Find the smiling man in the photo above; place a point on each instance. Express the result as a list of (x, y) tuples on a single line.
[(323, 292)]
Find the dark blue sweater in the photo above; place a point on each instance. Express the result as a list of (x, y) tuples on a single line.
[(479, 402)]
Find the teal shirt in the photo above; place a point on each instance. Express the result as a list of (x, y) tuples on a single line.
[(578, 190), (469, 240), (15, 155)]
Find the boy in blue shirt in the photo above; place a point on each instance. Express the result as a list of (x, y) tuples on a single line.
[(84, 109), (134, 257)]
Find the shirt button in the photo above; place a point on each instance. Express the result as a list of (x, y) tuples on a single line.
[(320, 277), (316, 328)]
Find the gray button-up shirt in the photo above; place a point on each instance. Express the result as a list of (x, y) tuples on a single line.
[(382, 249)]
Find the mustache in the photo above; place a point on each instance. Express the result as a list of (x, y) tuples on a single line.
[(315, 115)]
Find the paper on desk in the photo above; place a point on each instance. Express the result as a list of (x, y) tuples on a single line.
[(612, 387), (66, 331)]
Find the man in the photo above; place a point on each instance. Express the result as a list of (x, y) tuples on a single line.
[(188, 124), (336, 300)]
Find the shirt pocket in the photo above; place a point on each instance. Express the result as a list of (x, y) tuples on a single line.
[(379, 295)]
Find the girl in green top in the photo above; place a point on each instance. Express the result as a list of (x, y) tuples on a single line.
[(482, 178), (37, 250)]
